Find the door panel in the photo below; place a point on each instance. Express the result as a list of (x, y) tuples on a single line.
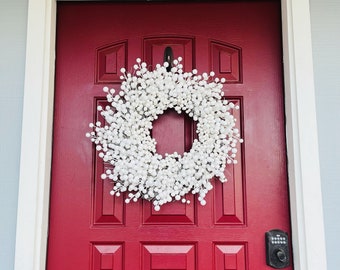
[(182, 46), (90, 229), (109, 60)]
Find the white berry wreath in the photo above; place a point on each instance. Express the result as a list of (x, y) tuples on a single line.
[(125, 140)]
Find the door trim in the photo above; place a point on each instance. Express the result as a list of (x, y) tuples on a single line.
[(301, 132)]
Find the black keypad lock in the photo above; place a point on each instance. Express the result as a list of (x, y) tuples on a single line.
[(277, 249)]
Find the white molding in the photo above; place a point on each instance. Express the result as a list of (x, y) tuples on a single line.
[(302, 141), (36, 141), (302, 144)]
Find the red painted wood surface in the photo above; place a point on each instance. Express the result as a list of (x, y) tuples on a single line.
[(90, 229)]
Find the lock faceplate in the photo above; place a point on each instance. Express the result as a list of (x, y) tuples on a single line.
[(277, 249)]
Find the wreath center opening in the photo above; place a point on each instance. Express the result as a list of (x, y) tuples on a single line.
[(173, 132)]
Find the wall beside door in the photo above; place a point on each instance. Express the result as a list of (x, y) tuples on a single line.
[(326, 41), (13, 17)]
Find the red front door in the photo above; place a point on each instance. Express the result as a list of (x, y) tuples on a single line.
[(90, 229)]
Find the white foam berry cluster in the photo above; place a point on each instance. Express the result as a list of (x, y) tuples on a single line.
[(125, 140)]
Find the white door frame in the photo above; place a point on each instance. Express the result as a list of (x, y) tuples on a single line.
[(301, 132)]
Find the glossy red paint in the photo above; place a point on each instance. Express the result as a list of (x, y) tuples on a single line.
[(89, 229)]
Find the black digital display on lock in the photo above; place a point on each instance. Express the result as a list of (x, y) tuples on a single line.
[(277, 249)]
